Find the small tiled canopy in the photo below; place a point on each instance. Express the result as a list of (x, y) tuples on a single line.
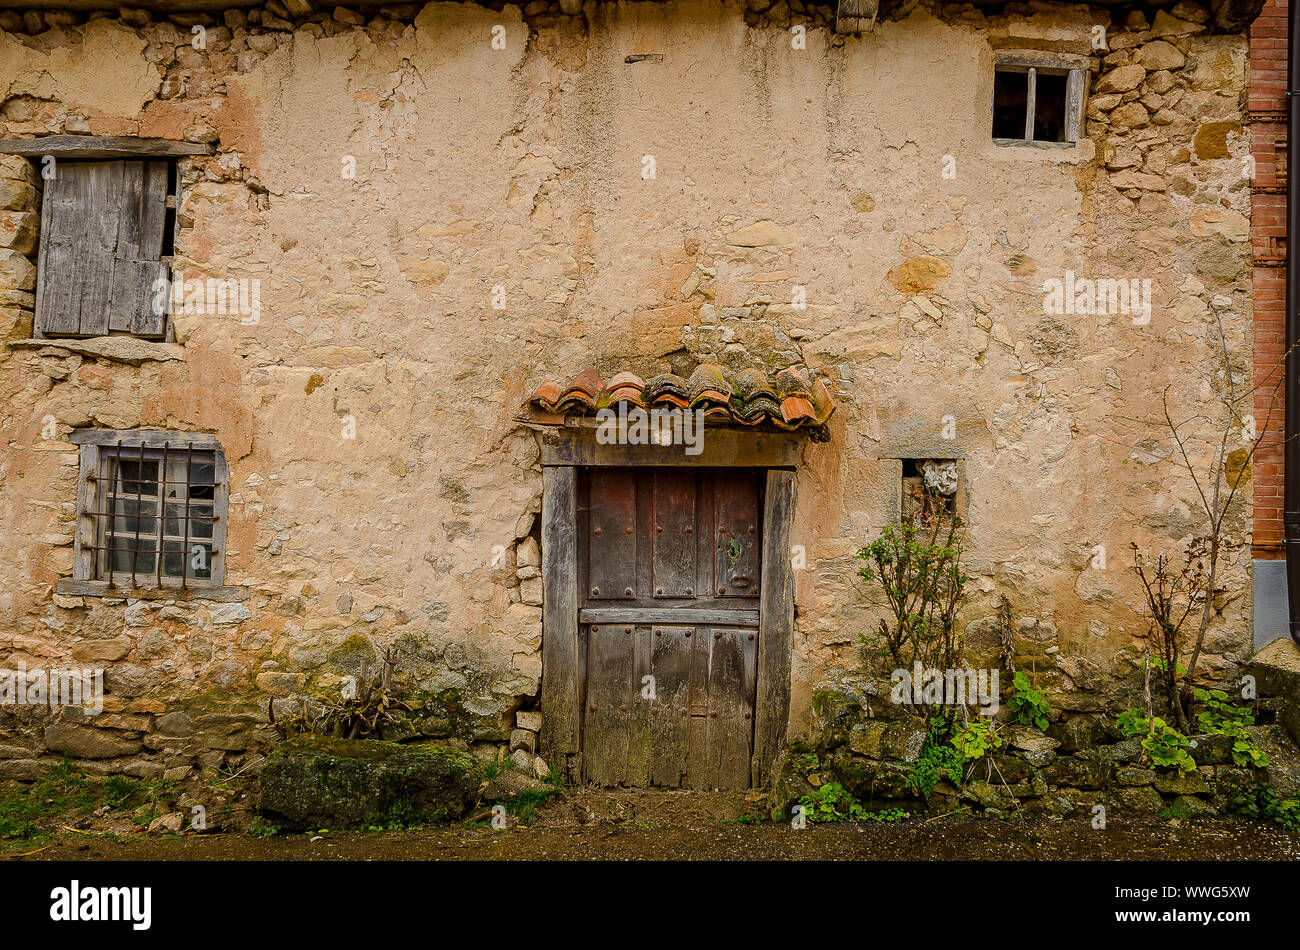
[(787, 398)]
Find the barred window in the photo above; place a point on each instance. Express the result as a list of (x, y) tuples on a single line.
[(151, 509), (152, 503)]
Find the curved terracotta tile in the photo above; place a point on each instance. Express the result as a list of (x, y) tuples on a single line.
[(790, 382), (667, 387), (753, 383), (547, 393), (625, 379), (789, 399), (587, 382), (795, 409)]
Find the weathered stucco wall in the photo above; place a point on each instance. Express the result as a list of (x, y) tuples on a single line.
[(859, 168)]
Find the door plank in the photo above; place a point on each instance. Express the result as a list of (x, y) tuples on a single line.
[(611, 535), (729, 728), (776, 625), (636, 772), (560, 680), (607, 723), (698, 770), (96, 242), (674, 573), (670, 714), (139, 245), (133, 298), (58, 302), (736, 540), (723, 615), (58, 290)]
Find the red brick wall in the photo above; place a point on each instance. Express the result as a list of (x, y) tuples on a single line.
[(1267, 107)]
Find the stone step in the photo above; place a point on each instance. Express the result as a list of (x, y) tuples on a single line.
[(1276, 668)]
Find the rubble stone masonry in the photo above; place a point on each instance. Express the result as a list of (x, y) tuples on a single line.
[(860, 169)]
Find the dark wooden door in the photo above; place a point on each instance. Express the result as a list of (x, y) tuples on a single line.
[(669, 563)]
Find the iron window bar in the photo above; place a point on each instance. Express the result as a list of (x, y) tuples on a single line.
[(113, 533)]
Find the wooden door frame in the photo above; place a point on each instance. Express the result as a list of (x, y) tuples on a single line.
[(563, 451)]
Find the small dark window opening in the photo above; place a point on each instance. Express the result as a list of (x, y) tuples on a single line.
[(169, 219), (928, 497), (1010, 92), (1035, 104), (1049, 108)]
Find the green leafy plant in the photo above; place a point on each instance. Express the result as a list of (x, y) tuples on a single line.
[(915, 568), (1028, 706), (1220, 717), (1245, 804), (1285, 811), (932, 765), (975, 739), (949, 748), (260, 828), (1260, 801), (1133, 723), (1164, 745), (832, 802), (1245, 752), (889, 814), (808, 761)]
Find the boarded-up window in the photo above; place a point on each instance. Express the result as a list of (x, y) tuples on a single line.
[(103, 245)]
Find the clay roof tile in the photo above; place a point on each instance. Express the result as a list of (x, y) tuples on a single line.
[(788, 399)]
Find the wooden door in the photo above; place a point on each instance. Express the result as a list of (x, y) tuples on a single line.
[(669, 567)]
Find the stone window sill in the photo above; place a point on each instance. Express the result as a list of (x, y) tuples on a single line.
[(1063, 153), (130, 350), (225, 594)]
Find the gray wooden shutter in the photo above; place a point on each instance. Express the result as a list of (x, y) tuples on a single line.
[(101, 244), (1073, 104)]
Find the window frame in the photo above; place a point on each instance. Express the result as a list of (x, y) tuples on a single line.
[(157, 544), (1075, 70), (107, 148), (88, 578), (958, 505)]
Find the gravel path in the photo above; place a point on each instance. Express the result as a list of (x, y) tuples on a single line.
[(916, 839)]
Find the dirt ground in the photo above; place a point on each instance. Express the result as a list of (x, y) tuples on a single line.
[(588, 824)]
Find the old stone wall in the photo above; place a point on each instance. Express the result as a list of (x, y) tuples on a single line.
[(386, 174), (861, 745)]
